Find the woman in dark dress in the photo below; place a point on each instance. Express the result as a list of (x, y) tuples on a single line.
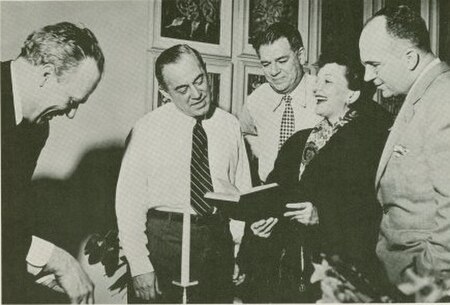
[(327, 174)]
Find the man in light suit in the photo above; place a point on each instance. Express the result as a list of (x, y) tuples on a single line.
[(413, 178), (58, 68)]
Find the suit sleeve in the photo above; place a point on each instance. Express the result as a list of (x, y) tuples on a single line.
[(437, 250)]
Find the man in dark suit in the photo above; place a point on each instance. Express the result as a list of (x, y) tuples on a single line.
[(58, 68)]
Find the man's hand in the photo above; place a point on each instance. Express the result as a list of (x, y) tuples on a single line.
[(71, 277), (303, 212), (146, 286), (50, 282), (238, 277), (263, 228)]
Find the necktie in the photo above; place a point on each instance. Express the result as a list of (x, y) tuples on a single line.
[(287, 126), (200, 175)]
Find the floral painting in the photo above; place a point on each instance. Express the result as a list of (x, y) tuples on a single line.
[(265, 12), (194, 20), (254, 81)]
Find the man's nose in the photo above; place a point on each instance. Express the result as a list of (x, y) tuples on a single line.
[(71, 113), (274, 69), (195, 92), (369, 74)]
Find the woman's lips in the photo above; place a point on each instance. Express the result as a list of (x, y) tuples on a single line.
[(320, 99)]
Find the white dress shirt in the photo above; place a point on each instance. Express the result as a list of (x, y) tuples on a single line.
[(261, 116), (155, 171), (40, 249)]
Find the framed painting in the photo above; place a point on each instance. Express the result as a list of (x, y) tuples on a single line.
[(206, 25), (249, 76), (219, 77), (257, 15)]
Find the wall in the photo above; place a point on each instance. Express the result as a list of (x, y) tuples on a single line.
[(122, 30)]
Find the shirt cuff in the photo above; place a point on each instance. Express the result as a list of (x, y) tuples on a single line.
[(38, 254), (140, 266)]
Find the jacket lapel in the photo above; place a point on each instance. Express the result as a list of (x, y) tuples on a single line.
[(7, 113), (405, 115)]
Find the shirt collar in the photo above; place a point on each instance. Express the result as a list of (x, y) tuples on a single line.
[(17, 100), (298, 95), (180, 116)]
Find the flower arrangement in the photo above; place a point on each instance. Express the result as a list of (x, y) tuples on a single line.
[(342, 283), (106, 250)]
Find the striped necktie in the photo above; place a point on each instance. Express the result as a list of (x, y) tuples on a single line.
[(200, 175), (287, 126)]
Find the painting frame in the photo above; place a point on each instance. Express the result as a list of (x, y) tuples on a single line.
[(222, 49), (244, 69), (242, 11), (214, 66)]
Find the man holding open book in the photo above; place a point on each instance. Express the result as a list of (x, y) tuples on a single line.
[(176, 154)]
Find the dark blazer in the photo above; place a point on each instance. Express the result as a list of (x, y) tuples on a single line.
[(340, 182), (21, 146)]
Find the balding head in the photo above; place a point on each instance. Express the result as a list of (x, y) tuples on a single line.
[(392, 50)]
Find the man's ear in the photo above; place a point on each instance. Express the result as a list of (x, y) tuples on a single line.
[(412, 59), (164, 93), (353, 97), (47, 72), (301, 54)]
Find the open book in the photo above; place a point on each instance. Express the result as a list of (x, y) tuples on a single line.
[(257, 203)]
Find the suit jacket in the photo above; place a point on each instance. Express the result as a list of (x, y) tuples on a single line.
[(21, 146), (413, 180), (339, 182)]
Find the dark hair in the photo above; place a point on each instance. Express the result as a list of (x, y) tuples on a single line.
[(354, 70), (404, 23), (172, 55), (276, 31), (63, 45)]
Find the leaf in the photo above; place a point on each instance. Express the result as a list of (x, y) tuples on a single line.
[(91, 244), (319, 271), (176, 22), (111, 262), (120, 283)]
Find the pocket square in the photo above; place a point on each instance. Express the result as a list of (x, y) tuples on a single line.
[(400, 150)]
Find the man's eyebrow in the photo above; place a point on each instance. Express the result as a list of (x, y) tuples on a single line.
[(282, 57), (370, 62), (199, 76), (79, 100), (276, 59), (186, 85), (180, 86)]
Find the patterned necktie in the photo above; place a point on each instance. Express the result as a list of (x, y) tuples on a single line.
[(200, 175), (287, 126)]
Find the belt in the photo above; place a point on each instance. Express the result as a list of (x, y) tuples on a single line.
[(178, 217)]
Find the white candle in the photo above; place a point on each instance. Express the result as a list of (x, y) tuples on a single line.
[(185, 249)]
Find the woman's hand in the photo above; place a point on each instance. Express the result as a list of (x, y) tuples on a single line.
[(263, 228), (302, 212)]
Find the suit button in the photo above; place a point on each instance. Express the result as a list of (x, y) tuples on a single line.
[(385, 209)]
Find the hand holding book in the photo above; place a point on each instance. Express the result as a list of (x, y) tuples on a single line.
[(260, 202)]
